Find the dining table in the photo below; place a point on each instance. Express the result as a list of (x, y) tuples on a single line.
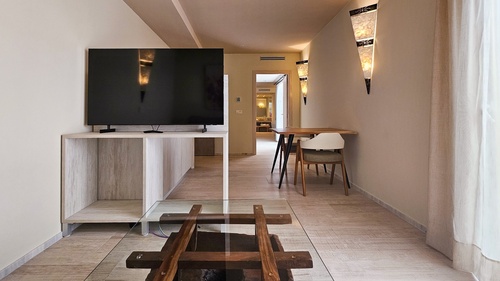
[(290, 133)]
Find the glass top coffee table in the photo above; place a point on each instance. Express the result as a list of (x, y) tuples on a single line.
[(215, 240)]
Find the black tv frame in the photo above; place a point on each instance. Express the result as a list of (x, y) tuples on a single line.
[(205, 78)]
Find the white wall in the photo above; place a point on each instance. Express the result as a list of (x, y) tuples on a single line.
[(389, 157), (42, 96)]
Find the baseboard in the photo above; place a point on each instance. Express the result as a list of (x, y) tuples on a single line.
[(386, 206), (24, 259)]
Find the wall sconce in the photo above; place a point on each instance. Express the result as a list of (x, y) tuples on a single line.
[(364, 22), (303, 71)]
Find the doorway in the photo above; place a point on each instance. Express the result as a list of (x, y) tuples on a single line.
[(270, 103)]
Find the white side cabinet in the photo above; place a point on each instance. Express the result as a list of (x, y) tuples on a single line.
[(117, 177)]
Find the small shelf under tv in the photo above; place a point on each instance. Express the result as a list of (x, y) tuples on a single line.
[(116, 177), (112, 211)]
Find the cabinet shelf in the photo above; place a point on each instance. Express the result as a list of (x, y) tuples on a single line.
[(117, 177), (112, 211)]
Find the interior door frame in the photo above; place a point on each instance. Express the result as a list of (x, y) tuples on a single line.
[(254, 98)]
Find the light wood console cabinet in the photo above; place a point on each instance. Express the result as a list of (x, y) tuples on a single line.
[(117, 177)]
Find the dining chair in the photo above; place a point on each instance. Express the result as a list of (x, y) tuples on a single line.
[(325, 148), (293, 149), (283, 149)]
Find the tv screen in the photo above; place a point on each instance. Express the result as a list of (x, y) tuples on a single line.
[(155, 87)]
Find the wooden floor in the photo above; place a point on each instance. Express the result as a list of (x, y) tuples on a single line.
[(356, 238)]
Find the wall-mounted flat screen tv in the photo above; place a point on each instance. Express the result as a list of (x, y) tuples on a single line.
[(155, 87)]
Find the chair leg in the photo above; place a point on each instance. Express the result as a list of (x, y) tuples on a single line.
[(303, 179), (317, 172), (300, 156), (296, 167)]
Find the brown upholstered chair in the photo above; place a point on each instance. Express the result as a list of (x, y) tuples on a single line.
[(293, 149), (325, 148)]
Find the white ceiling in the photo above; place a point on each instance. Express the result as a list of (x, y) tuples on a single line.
[(238, 26)]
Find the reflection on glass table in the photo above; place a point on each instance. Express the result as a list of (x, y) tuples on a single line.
[(231, 250)]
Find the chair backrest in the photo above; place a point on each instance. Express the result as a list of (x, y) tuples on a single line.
[(324, 141)]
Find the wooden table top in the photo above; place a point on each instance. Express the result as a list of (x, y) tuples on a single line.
[(309, 131)]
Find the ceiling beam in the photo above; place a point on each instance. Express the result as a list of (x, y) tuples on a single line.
[(185, 19)]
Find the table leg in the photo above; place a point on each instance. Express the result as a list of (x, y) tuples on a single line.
[(280, 141), (285, 160), (347, 179)]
